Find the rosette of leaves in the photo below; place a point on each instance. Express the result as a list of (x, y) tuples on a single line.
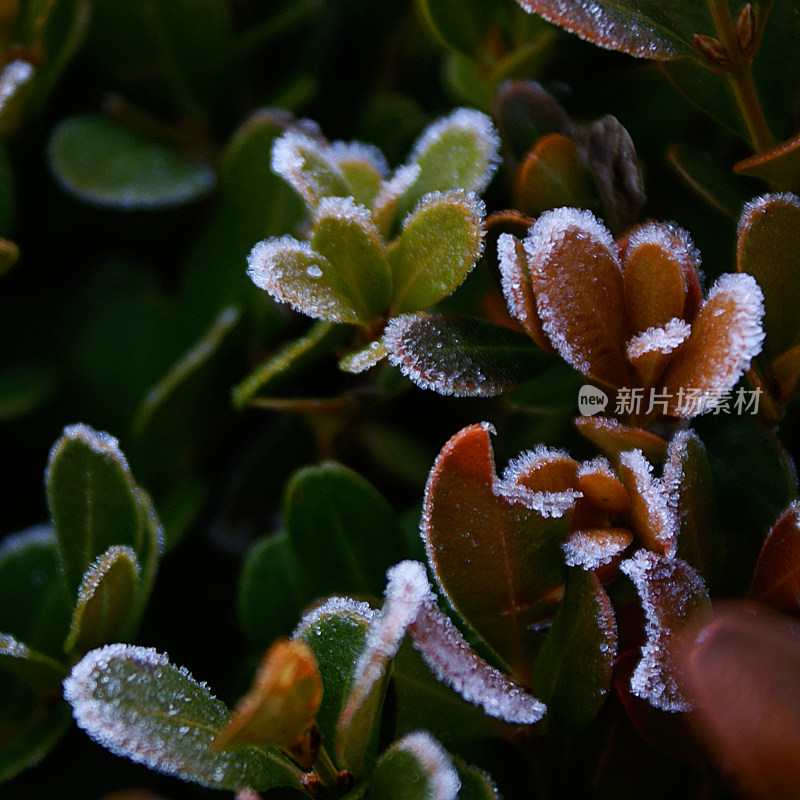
[(626, 314), (70, 586), (379, 245), (525, 559), (309, 721)]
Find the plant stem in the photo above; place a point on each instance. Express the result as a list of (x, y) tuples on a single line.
[(740, 78), (325, 768)]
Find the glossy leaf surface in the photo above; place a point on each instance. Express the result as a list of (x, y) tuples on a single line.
[(138, 705), (776, 580), (462, 356)]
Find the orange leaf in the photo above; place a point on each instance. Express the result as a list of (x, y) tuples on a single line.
[(282, 704), (786, 370), (776, 580), (578, 285), (613, 438), (725, 337)]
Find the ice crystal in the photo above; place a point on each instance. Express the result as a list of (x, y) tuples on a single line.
[(592, 550), (514, 280), (293, 155), (670, 238), (761, 204), (443, 780), (658, 339), (670, 590), (98, 442), (344, 208), (342, 152), (13, 75), (334, 607)]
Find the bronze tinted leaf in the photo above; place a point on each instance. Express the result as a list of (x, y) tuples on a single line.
[(776, 580), (578, 285), (613, 438), (780, 167), (495, 553)]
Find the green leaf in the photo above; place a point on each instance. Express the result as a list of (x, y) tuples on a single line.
[(461, 355), (768, 248), (780, 167), (8, 192), (555, 389), (17, 81), (35, 607), (574, 668), (40, 672), (475, 783), (337, 632), (106, 599), (494, 546), (457, 25), (690, 482), (273, 590), (106, 164), (440, 243), (643, 28), (24, 388), (135, 703), (459, 151), (345, 236), (415, 767), (92, 498), (343, 532)]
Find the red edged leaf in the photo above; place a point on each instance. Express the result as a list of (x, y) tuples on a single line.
[(494, 546), (726, 336), (768, 248), (642, 28), (776, 580), (780, 166), (740, 667), (670, 591), (577, 281)]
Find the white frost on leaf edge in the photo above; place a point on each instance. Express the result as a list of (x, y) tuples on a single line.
[(597, 465), (334, 607), (98, 442), (673, 240), (660, 582), (512, 277), (288, 163), (472, 121), (435, 760), (341, 151), (656, 498), (759, 204), (454, 662), (591, 551), (346, 209), (14, 75)]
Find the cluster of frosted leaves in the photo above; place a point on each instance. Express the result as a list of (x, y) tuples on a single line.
[(380, 244), (649, 29), (671, 592), (630, 313), (138, 705)]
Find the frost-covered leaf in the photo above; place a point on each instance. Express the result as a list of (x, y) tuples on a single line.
[(462, 356), (577, 281), (293, 273), (344, 533), (651, 350), (35, 607), (740, 666), (518, 290), (459, 151), (615, 169), (309, 166), (281, 705), (552, 175), (726, 336), (364, 168), (648, 29), (440, 242), (272, 590), (455, 663), (16, 85), (136, 704), (415, 767), (407, 589), (776, 580), (652, 515), (692, 495), (574, 667), (337, 632), (671, 592), (93, 499), (768, 248), (592, 548), (475, 783), (613, 438), (660, 267), (104, 163), (40, 672), (363, 358), (346, 238), (495, 547), (106, 600), (602, 488)]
